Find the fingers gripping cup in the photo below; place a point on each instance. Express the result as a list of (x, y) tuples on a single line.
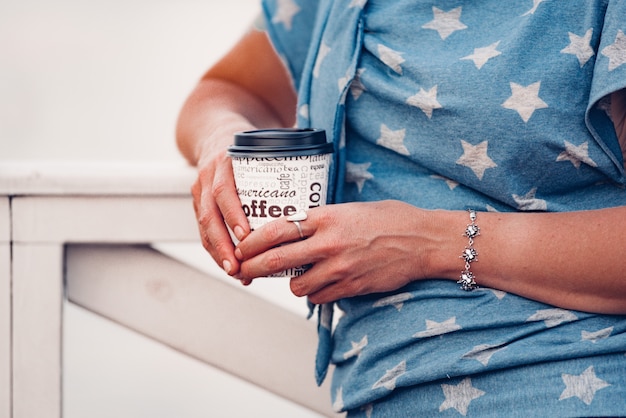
[(279, 172)]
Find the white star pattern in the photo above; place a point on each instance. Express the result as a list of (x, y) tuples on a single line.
[(594, 337), (394, 140), (388, 381), (482, 55), (529, 202), (338, 404), (498, 293), (287, 9), (356, 349), (616, 53), (460, 396), (425, 100), (576, 154), (357, 173), (321, 55), (580, 46), (357, 3), (396, 301), (525, 100), (304, 111), (451, 183), (553, 317), (357, 88), (343, 81), (475, 157), (583, 386), (391, 58), (483, 353), (532, 11), (368, 409), (435, 328), (446, 23)]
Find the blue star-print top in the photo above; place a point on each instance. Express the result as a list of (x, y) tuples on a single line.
[(451, 104)]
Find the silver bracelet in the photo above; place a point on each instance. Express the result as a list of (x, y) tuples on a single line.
[(469, 254)]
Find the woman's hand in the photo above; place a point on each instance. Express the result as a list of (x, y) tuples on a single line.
[(355, 248), (217, 206)]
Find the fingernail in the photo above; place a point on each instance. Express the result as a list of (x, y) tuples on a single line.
[(239, 232), (238, 254), (227, 266)]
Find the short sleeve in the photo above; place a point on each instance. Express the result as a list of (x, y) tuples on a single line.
[(290, 26), (609, 75)]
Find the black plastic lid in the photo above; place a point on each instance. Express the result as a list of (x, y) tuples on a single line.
[(283, 142)]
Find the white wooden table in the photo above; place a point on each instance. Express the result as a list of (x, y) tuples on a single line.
[(84, 231)]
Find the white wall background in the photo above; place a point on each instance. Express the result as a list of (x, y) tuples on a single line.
[(95, 80), (103, 80)]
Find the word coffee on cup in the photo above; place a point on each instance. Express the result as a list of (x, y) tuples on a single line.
[(279, 172)]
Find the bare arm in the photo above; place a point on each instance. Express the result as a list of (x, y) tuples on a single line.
[(247, 89), (572, 260)]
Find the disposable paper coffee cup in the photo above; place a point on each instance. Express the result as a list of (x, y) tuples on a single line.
[(279, 172)]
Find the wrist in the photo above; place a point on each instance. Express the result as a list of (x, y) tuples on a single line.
[(445, 230), (221, 136)]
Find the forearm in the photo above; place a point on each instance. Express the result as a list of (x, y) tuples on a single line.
[(571, 260), (214, 111)]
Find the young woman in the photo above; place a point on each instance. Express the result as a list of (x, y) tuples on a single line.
[(464, 131)]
